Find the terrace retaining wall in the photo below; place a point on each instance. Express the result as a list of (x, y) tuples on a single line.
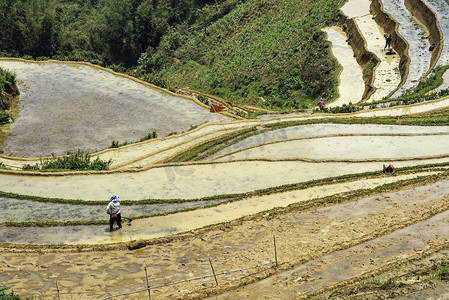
[(401, 46), (427, 17), (366, 59)]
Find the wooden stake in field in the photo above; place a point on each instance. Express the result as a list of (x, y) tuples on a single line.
[(57, 288), (148, 283), (275, 252), (213, 271)]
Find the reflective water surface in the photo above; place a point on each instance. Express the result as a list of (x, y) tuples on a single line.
[(76, 107)]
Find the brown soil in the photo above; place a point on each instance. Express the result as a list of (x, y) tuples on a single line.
[(98, 271)]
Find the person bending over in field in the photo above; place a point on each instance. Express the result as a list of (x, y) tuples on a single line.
[(388, 168)]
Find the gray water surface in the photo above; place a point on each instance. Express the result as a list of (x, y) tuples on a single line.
[(65, 108), (14, 210)]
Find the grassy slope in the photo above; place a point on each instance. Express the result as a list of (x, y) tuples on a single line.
[(7, 79), (264, 52)]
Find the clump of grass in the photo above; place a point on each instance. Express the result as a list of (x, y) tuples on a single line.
[(442, 273), (149, 136), (116, 144), (202, 99), (345, 108), (388, 282), (77, 161), (10, 296)]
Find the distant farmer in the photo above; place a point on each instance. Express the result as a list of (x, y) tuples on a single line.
[(295, 105), (388, 168), (321, 103), (388, 40), (113, 209)]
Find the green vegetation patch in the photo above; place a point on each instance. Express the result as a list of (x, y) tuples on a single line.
[(72, 162), (210, 148), (266, 53), (7, 296), (7, 80)]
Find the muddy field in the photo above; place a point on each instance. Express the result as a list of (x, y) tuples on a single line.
[(320, 245)]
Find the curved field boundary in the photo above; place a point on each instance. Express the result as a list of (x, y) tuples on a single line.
[(337, 135), (157, 227), (366, 59), (426, 16), (400, 44)]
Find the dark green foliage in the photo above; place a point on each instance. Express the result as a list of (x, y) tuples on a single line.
[(151, 135), (7, 80), (345, 108), (264, 53), (116, 144), (9, 296), (257, 52), (442, 273), (106, 32), (202, 99), (77, 161)]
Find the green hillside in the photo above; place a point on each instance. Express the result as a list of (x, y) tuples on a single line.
[(265, 53), (7, 81), (259, 52)]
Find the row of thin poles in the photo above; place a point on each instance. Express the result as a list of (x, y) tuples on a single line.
[(149, 288)]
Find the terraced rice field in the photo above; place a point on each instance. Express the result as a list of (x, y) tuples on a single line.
[(223, 189)]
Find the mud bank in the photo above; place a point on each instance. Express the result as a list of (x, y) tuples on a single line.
[(390, 26), (426, 16), (351, 86)]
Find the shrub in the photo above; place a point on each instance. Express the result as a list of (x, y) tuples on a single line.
[(78, 161), (149, 136)]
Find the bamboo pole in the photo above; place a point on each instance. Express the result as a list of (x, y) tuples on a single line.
[(213, 271), (275, 251), (148, 284), (57, 288)]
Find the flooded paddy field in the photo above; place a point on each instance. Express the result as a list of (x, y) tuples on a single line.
[(323, 130), (351, 86), (65, 108), (333, 232), (29, 211), (157, 226), (355, 261), (193, 181), (416, 36), (346, 241), (349, 147), (387, 76), (441, 9)]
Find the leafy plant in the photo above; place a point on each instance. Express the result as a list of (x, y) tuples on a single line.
[(77, 161), (442, 273), (117, 144), (10, 296), (202, 99), (149, 136)]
